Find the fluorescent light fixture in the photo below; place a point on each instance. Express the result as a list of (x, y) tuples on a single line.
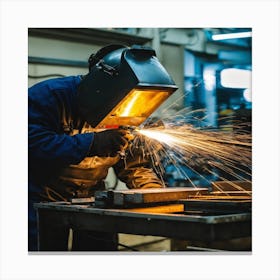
[(236, 78), (217, 37)]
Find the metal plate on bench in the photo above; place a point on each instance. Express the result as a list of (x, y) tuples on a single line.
[(144, 196)]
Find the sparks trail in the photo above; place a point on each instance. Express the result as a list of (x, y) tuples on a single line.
[(216, 153)]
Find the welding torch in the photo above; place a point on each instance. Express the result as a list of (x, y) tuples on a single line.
[(132, 131), (129, 136)]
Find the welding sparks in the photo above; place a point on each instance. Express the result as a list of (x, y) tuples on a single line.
[(215, 153)]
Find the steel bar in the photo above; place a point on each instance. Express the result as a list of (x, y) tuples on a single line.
[(143, 196), (217, 206), (222, 197), (164, 209), (232, 186)]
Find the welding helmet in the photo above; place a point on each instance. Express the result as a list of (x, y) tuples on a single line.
[(124, 86)]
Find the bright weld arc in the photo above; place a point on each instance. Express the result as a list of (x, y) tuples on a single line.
[(160, 136)]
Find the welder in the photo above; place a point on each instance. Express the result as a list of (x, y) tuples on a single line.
[(75, 133)]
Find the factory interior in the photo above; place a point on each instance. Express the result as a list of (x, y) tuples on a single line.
[(206, 203)]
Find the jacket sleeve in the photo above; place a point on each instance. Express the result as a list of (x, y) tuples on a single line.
[(46, 140), (136, 171)]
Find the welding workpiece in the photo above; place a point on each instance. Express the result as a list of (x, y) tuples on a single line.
[(144, 197)]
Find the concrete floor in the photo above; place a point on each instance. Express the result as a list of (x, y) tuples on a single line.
[(162, 244), (144, 243)]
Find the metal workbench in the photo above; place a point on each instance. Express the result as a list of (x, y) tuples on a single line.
[(185, 226)]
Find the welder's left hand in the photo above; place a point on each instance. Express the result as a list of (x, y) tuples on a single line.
[(108, 143)]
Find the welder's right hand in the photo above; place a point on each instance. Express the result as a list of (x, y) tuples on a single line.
[(108, 143)]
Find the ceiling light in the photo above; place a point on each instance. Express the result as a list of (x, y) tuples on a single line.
[(227, 36), (236, 78)]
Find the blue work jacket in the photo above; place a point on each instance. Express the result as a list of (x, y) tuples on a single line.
[(52, 110)]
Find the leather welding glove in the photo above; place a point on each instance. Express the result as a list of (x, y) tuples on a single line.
[(137, 170), (108, 143)]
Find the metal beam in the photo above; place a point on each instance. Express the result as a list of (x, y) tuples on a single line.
[(56, 61), (89, 35)]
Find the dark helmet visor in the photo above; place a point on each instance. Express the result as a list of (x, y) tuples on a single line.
[(124, 88)]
